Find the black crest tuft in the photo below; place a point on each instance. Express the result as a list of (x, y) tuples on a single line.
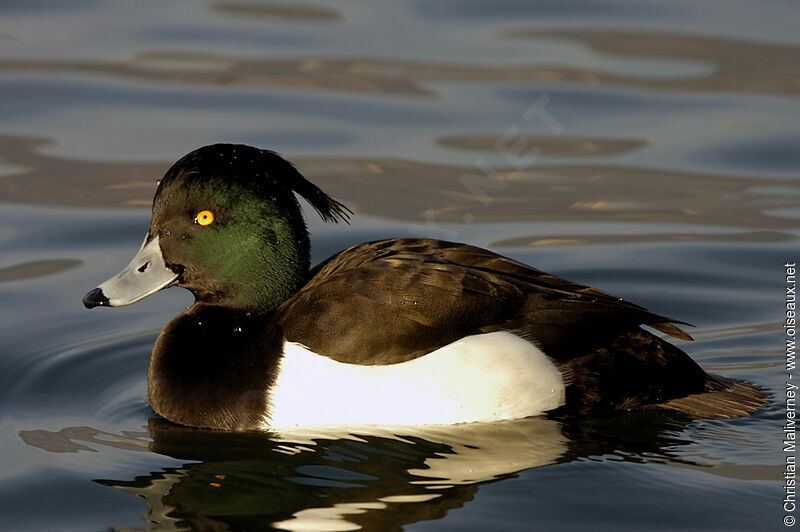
[(328, 208)]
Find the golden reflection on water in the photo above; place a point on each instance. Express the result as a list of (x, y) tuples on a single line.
[(734, 65), (528, 146), (44, 180), (428, 193), (737, 65), (582, 240), (274, 12)]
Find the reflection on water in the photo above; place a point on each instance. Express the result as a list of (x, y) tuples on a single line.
[(527, 146), (582, 240), (38, 178), (274, 12), (66, 440), (734, 65), (432, 193), (38, 268), (369, 477), (317, 480)]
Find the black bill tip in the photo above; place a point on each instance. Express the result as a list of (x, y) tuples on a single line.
[(95, 298)]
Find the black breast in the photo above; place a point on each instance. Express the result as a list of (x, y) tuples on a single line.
[(212, 368)]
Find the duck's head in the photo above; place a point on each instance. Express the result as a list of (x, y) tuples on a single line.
[(227, 226)]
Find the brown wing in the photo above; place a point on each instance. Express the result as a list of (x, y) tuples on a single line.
[(394, 300)]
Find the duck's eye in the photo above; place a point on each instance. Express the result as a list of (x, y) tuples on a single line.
[(204, 218)]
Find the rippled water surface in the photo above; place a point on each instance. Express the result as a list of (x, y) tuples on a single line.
[(648, 148)]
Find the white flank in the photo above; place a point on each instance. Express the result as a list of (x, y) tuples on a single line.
[(486, 377)]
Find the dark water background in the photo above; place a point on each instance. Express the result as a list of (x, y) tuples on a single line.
[(648, 148)]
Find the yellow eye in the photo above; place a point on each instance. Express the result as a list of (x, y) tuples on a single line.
[(204, 218)]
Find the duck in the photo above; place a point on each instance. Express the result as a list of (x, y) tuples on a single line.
[(400, 331)]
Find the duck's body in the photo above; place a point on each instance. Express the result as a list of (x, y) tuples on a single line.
[(400, 331)]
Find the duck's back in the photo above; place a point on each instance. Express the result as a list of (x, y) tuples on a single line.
[(392, 301)]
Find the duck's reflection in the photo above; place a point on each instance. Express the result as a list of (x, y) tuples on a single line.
[(327, 479), (332, 480)]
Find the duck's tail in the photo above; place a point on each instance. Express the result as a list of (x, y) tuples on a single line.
[(640, 371)]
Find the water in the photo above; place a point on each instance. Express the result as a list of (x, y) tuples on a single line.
[(649, 149)]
